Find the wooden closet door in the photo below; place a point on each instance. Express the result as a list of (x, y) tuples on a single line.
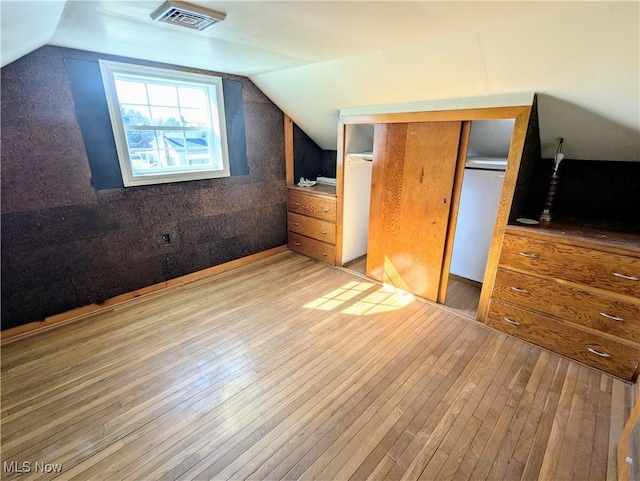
[(412, 181)]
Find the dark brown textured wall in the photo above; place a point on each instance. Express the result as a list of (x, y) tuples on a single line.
[(66, 245)]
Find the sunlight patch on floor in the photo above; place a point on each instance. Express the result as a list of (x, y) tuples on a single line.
[(386, 298), (336, 298)]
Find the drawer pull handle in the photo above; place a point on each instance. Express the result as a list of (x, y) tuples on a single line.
[(510, 321), (598, 353), (529, 255), (295, 203), (518, 289), (323, 231), (613, 318), (324, 253), (631, 278), (325, 209), (297, 243), (295, 223)]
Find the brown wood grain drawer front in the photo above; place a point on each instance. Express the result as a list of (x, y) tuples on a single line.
[(568, 303), (321, 207), (312, 248), (614, 357), (315, 228), (593, 268)]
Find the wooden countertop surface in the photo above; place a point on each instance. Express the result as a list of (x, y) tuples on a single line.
[(320, 189), (605, 234)]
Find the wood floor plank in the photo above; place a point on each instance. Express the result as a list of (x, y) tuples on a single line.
[(381, 470), (521, 400), (358, 359), (543, 429), (587, 427), (419, 386), (559, 426), (415, 385), (599, 458), (281, 432), (493, 398), (569, 445), (620, 410), (288, 368), (317, 450), (430, 434), (399, 378), (459, 451), (541, 392), (250, 409)]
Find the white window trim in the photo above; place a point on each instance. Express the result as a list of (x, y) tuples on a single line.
[(108, 68)]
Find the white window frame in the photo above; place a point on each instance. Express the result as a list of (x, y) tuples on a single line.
[(213, 85)]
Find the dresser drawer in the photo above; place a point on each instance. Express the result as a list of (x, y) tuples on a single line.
[(318, 229), (614, 357), (593, 268), (321, 207), (312, 248), (604, 313)]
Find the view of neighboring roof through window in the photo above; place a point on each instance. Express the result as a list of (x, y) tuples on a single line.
[(169, 125)]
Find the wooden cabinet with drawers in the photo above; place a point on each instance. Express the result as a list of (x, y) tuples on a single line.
[(572, 291), (311, 221)]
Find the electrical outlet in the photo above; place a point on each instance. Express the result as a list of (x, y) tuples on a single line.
[(166, 239)]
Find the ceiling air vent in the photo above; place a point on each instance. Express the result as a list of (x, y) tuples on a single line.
[(187, 15)]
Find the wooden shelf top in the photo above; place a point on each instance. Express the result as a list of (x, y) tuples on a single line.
[(594, 232), (318, 189)]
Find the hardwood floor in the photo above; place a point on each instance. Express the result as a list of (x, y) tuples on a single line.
[(463, 297), (289, 368)]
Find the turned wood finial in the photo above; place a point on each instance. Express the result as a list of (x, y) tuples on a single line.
[(553, 184)]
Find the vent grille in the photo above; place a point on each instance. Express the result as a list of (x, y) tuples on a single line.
[(186, 15)]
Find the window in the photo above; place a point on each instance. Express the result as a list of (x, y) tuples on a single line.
[(168, 125)]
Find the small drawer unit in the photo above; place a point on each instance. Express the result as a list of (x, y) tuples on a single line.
[(573, 295), (596, 268), (312, 248), (311, 227), (587, 347), (311, 221), (319, 207)]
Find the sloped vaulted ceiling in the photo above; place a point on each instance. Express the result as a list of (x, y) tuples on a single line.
[(314, 58)]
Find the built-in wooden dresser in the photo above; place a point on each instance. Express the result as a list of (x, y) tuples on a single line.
[(573, 290), (311, 221)]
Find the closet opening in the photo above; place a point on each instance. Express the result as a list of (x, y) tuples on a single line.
[(358, 161), (482, 181)]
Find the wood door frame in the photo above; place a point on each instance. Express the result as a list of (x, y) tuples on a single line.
[(288, 151), (521, 114)]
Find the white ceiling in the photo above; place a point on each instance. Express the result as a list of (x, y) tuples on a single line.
[(313, 58)]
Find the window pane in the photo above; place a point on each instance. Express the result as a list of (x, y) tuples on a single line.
[(194, 98), (141, 139), (173, 143), (168, 116), (144, 159), (195, 117), (173, 140), (168, 158), (197, 142), (162, 95), (135, 114), (198, 152), (131, 92)]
